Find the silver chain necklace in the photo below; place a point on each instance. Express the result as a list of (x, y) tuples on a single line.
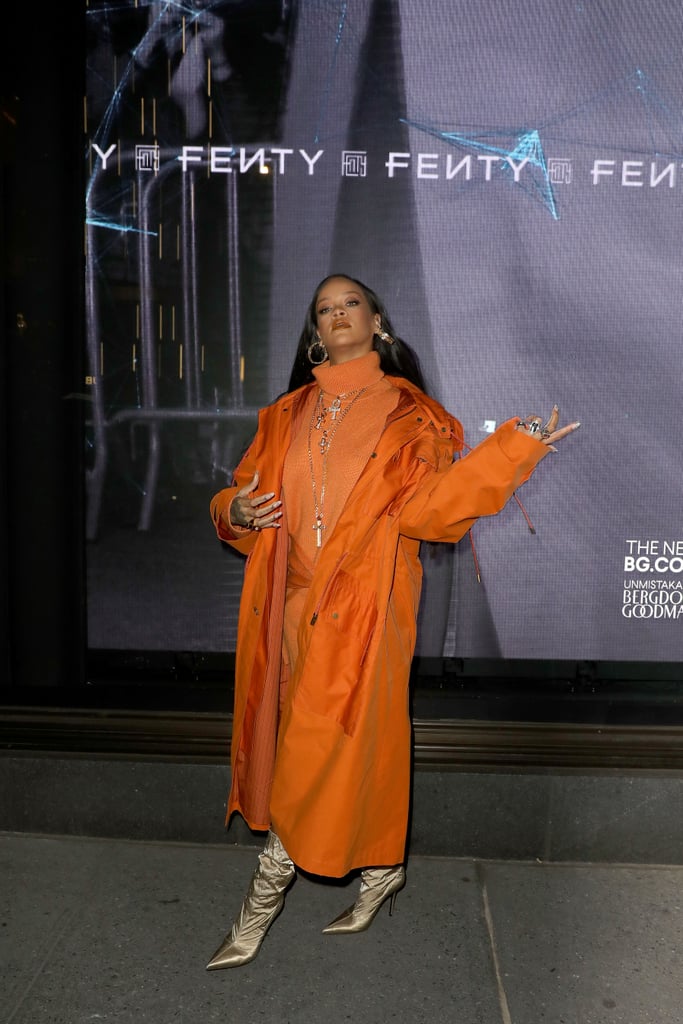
[(325, 443)]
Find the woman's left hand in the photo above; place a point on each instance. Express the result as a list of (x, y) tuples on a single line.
[(548, 433)]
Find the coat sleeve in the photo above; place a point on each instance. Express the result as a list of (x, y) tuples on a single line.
[(242, 540), (446, 504)]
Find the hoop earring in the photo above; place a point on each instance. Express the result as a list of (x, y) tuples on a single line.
[(316, 343), (381, 333)]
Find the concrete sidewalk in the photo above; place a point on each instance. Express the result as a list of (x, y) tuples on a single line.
[(117, 931)]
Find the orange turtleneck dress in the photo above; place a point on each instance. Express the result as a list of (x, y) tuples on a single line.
[(324, 461)]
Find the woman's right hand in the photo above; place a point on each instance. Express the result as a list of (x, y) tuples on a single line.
[(251, 510)]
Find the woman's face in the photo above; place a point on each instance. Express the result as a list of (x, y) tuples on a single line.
[(345, 321)]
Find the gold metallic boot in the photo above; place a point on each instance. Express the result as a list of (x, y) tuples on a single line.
[(263, 902), (376, 886)]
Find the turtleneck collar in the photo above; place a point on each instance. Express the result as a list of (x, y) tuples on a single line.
[(356, 373)]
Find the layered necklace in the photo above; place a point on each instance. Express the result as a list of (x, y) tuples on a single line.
[(327, 431)]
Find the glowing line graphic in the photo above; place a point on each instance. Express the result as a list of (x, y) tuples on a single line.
[(528, 147), (343, 7), (111, 225)]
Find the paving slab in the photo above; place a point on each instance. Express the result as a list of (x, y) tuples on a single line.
[(582, 944), (116, 931)]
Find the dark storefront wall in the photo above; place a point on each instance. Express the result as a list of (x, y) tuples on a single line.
[(62, 696)]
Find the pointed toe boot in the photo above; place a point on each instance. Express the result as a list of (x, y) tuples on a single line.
[(263, 902), (377, 886)]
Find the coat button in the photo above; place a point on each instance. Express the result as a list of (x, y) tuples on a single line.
[(374, 455), (255, 611), (335, 615)]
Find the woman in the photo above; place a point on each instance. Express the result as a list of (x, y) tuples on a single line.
[(348, 472)]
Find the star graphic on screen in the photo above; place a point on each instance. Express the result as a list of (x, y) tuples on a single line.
[(523, 146)]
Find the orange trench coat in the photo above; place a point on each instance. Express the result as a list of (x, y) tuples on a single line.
[(331, 774)]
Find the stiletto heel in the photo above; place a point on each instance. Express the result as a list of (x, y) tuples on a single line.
[(377, 886), (263, 902)]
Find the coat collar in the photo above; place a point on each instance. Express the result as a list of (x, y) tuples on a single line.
[(411, 399)]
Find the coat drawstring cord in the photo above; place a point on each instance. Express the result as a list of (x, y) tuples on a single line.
[(532, 528)]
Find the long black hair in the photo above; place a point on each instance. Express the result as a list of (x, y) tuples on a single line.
[(396, 359)]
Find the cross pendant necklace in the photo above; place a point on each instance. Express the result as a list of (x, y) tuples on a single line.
[(334, 408), (325, 443)]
